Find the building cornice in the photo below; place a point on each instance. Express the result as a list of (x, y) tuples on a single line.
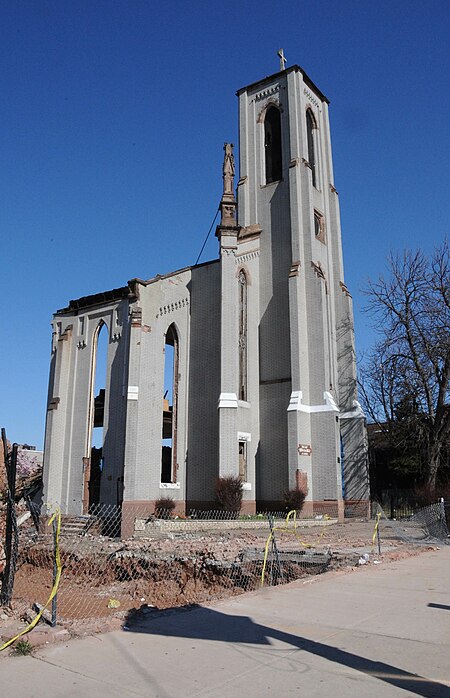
[(293, 69)]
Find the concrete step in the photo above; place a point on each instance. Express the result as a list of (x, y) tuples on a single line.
[(76, 525)]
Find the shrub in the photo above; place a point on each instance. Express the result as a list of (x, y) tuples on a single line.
[(443, 491), (294, 499), (229, 493), (425, 494), (164, 507)]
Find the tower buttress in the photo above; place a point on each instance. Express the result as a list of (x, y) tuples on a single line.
[(227, 233)]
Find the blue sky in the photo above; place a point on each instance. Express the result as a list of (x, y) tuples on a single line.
[(112, 119)]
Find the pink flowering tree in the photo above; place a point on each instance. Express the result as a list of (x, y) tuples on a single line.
[(27, 464)]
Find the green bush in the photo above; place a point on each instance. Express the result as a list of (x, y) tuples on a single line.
[(229, 493)]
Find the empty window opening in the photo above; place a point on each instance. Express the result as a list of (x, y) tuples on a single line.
[(243, 461), (243, 305), (272, 145), (319, 226), (310, 127), (93, 464), (169, 464)]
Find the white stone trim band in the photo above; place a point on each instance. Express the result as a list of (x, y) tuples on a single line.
[(244, 436), (296, 405), (133, 392), (228, 400)]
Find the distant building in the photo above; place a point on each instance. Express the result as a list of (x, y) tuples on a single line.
[(262, 363)]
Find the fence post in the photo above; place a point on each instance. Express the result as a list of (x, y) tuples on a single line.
[(279, 572), (55, 570), (11, 537), (378, 538), (444, 527)]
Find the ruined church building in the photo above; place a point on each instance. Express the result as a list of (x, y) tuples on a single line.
[(259, 345)]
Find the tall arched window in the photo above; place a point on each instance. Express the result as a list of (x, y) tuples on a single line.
[(310, 126), (272, 145), (93, 461), (242, 335), (169, 464)]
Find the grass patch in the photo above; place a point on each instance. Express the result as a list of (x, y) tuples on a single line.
[(23, 648)]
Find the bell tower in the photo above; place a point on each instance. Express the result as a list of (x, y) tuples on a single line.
[(307, 376)]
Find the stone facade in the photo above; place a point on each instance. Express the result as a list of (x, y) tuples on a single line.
[(263, 373)]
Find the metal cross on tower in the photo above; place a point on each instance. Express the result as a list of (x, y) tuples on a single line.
[(283, 60)]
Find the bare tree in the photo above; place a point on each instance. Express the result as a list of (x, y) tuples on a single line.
[(406, 375)]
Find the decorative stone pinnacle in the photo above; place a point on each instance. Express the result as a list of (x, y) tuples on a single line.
[(228, 202), (228, 169)]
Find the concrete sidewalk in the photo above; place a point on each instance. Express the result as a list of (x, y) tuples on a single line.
[(379, 631)]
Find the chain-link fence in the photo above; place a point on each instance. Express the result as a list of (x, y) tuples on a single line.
[(400, 504), (172, 561), (167, 562), (427, 525)]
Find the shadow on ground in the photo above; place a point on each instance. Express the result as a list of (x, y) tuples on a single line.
[(197, 622)]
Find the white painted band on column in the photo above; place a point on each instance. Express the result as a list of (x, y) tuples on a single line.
[(228, 400), (133, 392), (296, 405)]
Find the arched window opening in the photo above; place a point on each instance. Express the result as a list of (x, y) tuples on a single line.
[(243, 308), (310, 126), (169, 465), (243, 461), (319, 226), (272, 145), (93, 463)]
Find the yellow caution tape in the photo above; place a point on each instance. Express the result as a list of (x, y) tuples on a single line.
[(54, 590), (376, 529), (292, 514), (266, 551)]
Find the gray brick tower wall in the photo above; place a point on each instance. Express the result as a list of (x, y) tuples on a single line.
[(307, 363)]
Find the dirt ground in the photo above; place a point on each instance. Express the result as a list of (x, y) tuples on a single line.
[(104, 581)]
